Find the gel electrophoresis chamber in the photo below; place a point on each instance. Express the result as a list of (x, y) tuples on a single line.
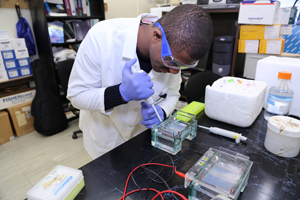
[(218, 171)]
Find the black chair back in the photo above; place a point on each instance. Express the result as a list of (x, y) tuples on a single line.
[(195, 86)]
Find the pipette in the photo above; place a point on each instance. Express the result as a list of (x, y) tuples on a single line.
[(230, 134), (149, 100)]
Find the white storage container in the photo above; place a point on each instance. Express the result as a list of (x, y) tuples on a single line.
[(61, 183), (283, 136), (235, 100), (267, 70)]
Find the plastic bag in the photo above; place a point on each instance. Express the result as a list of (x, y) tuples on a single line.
[(24, 31)]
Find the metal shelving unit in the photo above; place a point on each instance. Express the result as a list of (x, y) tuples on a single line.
[(44, 46)]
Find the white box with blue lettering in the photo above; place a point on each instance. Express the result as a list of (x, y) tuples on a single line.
[(259, 12), (13, 73), (61, 183), (23, 62), (3, 76), (2, 67), (25, 71), (8, 54), (11, 64)]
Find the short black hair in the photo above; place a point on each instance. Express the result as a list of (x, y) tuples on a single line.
[(188, 28)]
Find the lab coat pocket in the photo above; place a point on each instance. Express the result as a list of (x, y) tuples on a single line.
[(103, 130)]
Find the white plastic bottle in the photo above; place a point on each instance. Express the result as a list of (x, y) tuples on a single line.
[(280, 96)]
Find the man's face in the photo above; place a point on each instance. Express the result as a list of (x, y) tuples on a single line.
[(158, 65)]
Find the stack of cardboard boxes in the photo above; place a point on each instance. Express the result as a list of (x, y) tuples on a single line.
[(267, 30), (14, 61), (16, 119), (262, 39), (15, 115)]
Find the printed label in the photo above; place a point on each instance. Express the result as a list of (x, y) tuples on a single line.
[(23, 62), (25, 71)]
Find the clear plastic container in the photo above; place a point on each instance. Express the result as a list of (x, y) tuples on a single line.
[(218, 172), (169, 134), (280, 96)]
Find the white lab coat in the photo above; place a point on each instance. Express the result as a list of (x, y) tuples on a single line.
[(98, 65)]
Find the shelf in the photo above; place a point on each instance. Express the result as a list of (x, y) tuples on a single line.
[(16, 81), (222, 10), (65, 43), (17, 92), (53, 18)]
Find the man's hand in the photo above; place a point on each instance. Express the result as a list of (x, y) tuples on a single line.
[(137, 86), (149, 115)]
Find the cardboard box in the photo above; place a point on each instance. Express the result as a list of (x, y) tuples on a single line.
[(10, 64), (16, 99), (8, 55), (284, 15), (291, 34), (18, 43), (248, 46), (258, 12), (3, 76), (13, 73), (5, 45), (23, 62), (2, 67), (259, 32), (21, 118), (25, 71), (6, 133), (271, 46), (21, 53)]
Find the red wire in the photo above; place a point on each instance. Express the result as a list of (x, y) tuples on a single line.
[(170, 191), (178, 173)]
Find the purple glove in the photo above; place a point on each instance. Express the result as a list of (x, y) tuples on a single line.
[(149, 115), (137, 86)]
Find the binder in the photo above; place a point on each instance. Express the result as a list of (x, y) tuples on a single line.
[(72, 5), (68, 7), (81, 29), (92, 5), (79, 8)]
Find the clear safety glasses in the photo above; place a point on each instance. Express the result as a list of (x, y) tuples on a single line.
[(166, 53)]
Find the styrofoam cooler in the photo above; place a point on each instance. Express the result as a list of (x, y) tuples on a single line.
[(267, 71), (234, 100)]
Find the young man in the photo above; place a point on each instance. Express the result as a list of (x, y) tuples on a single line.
[(103, 85)]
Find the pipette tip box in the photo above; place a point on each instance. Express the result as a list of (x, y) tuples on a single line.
[(62, 183), (169, 134), (218, 171)]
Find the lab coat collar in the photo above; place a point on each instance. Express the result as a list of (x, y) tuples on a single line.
[(130, 44)]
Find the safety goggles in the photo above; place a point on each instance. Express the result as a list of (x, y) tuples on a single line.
[(166, 53)]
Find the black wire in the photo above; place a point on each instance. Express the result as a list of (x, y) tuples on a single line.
[(153, 179), (173, 165), (295, 3), (160, 171)]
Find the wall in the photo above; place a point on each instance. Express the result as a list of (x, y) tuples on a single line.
[(9, 19), (129, 8)]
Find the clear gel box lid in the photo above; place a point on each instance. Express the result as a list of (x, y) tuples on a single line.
[(56, 185), (218, 171)]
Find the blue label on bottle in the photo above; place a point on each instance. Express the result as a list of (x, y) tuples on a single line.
[(270, 102)]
